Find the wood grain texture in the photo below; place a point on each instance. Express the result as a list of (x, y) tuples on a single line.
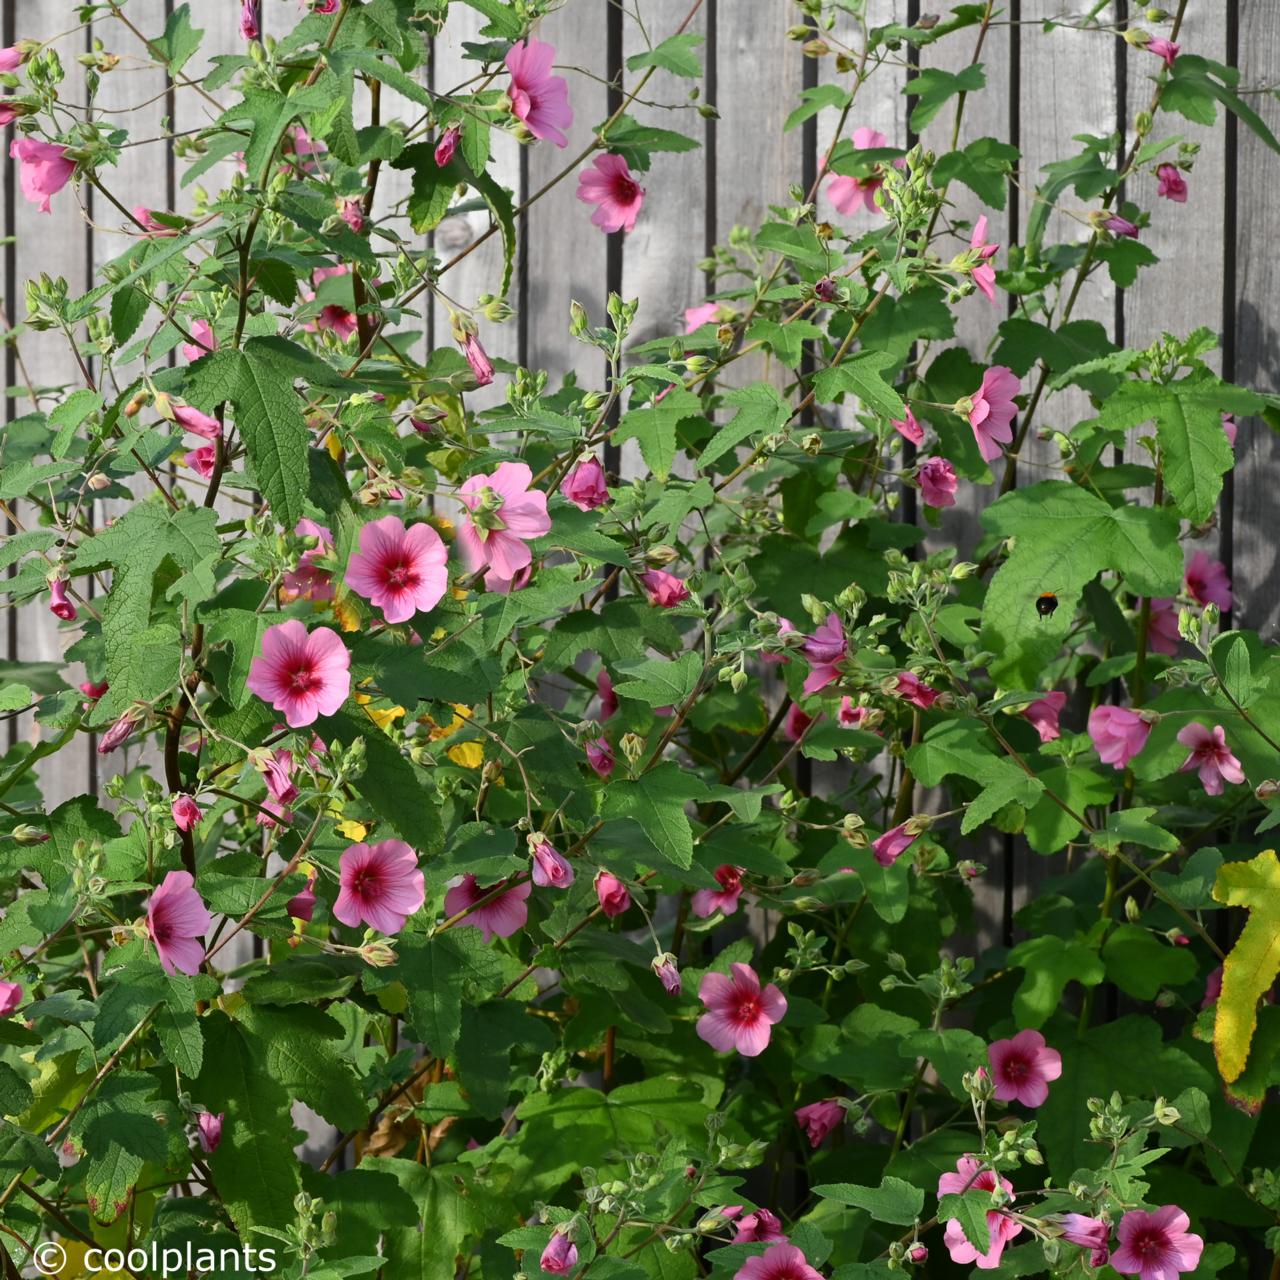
[(1256, 547)]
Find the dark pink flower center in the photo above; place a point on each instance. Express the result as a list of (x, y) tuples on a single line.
[(625, 189), (367, 882), (1148, 1244), (303, 679), (747, 1011), (161, 930), (402, 576), (1017, 1069)]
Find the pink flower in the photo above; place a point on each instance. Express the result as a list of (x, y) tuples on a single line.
[(11, 58), (584, 486), (785, 628), (990, 410), (938, 482), (984, 274), (499, 918), (506, 514), (1002, 1227), (849, 716), (202, 460), (10, 997), (478, 359), (1210, 755), (703, 313), (303, 674), (760, 1226), (1207, 582), (447, 145), (819, 1118), (538, 98), (325, 7), (915, 691), (380, 886), (309, 581), (176, 918), (1173, 186), (151, 223), (93, 690), (299, 144), (847, 193), (664, 966), (706, 902), (59, 605), (1230, 429), (1043, 713), (45, 169), (209, 1131), (337, 319), (1212, 988), (1091, 1233), (664, 589), (608, 699), (612, 894), (277, 773), (1162, 631), (1023, 1067), (199, 424), (551, 869), (118, 733), (302, 905), (205, 341), (781, 1262), (908, 428), (1119, 226), (9, 112), (918, 1253), (797, 722), (186, 813), (739, 1014), (600, 756), (352, 213), (609, 185), (560, 1255), (250, 23), (890, 846), (826, 651), (1156, 1246), (1118, 734), (826, 289), (400, 570), (1167, 50)]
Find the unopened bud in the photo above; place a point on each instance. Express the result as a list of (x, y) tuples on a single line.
[(379, 954), (1137, 37), (25, 834), (632, 746), (1132, 912)]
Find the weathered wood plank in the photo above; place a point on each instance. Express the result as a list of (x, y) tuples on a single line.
[(47, 360), (1256, 549)]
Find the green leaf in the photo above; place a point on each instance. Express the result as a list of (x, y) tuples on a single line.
[(677, 54), (1125, 257), (70, 414), (983, 166), (1251, 966), (660, 682), (861, 375), (654, 427), (951, 1052), (656, 800), (970, 1209), (298, 1049), (267, 412), (180, 39), (1134, 826), (815, 100), (761, 408), (484, 1051), (1064, 537), (935, 88), (1188, 416), (254, 1169), (636, 142), (1196, 83), (1048, 826), (893, 1201), (267, 113), (1050, 963), (1140, 964), (432, 970)]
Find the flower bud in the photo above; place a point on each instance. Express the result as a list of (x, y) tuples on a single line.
[(1132, 912), (632, 746), (25, 834), (379, 954), (1137, 37), (918, 1253), (1268, 789)]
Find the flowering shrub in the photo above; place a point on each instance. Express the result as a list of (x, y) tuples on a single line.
[(608, 841)]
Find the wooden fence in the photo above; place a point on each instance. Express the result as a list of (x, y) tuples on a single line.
[(1219, 264)]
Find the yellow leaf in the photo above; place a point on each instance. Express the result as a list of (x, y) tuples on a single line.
[(470, 755), (352, 830), (1250, 970)]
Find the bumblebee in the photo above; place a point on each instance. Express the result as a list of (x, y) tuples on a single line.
[(1046, 603)]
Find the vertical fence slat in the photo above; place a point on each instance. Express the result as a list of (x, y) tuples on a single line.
[(1257, 476), (57, 244), (565, 254)]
